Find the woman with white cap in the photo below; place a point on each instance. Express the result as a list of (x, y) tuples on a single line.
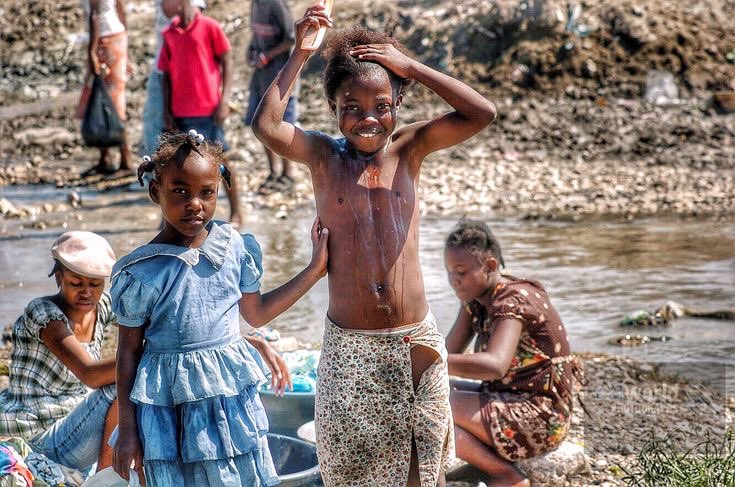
[(62, 396)]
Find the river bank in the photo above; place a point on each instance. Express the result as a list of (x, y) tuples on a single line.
[(570, 146)]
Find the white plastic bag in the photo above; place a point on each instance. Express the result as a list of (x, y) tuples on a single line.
[(109, 478)]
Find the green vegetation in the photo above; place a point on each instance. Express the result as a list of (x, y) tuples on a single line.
[(663, 463)]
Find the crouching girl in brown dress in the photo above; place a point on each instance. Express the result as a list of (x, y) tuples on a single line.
[(523, 406)]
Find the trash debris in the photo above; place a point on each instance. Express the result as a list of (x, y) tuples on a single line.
[(75, 199), (661, 89), (521, 75), (724, 102)]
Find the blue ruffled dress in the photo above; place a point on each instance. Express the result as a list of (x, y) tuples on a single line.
[(200, 419)]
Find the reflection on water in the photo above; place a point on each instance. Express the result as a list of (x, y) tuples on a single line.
[(594, 272)]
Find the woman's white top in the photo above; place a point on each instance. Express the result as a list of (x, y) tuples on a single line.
[(109, 21)]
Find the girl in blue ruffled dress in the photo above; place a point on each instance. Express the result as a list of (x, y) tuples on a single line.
[(189, 411)]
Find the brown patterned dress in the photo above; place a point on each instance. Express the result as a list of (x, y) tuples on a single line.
[(528, 411)]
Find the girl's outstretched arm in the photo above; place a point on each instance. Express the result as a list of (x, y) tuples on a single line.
[(268, 126), (128, 448), (62, 343), (495, 362), (258, 309), (472, 112)]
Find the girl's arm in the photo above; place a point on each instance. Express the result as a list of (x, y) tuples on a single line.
[(461, 333), (268, 126), (128, 448), (495, 362), (65, 346), (258, 309), (472, 112), (280, 375)]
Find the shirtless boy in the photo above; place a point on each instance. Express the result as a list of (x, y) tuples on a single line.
[(382, 412)]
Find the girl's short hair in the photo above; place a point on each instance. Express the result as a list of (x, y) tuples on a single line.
[(177, 147), (342, 65), (476, 238)]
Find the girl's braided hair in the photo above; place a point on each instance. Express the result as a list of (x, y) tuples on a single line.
[(341, 64), (476, 238), (176, 148)]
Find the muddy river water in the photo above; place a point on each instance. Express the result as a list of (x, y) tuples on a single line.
[(595, 272)]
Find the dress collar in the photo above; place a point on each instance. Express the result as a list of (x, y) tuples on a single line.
[(214, 248)]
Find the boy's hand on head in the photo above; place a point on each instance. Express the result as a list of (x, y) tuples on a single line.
[(314, 18), (320, 252), (387, 55)]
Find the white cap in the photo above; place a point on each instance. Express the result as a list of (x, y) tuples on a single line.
[(202, 4), (85, 253)]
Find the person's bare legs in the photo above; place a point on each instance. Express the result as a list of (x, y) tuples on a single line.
[(472, 440), (125, 153), (104, 459), (233, 196), (271, 162), (286, 168)]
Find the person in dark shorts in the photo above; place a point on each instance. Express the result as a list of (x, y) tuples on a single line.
[(271, 44)]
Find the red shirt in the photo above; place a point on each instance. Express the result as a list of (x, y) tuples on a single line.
[(189, 56)]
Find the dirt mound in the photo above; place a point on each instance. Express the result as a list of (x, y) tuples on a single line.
[(549, 45)]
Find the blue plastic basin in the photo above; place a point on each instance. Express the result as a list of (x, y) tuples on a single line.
[(287, 413)]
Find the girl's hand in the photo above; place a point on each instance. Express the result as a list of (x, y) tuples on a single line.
[(387, 55), (314, 18), (128, 450), (280, 375), (320, 252)]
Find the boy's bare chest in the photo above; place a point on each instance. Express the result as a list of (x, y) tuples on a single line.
[(370, 192)]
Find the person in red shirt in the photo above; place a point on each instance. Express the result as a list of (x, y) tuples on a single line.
[(196, 61)]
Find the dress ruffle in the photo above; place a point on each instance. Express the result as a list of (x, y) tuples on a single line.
[(218, 441), (210, 429), (172, 378)]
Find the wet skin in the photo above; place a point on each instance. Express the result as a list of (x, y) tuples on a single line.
[(366, 195)]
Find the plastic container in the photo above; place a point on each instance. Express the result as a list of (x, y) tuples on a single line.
[(295, 461), (109, 478), (286, 413), (314, 37)]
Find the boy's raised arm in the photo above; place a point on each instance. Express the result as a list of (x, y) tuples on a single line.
[(284, 138), (472, 112)]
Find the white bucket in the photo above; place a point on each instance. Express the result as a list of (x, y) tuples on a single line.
[(109, 478)]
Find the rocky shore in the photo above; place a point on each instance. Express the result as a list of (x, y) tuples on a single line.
[(629, 403), (569, 146)]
